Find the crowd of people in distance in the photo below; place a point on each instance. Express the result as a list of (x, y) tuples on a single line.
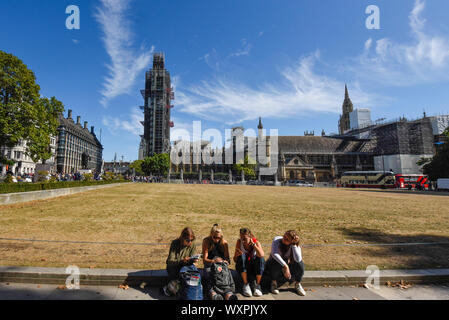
[(284, 264)]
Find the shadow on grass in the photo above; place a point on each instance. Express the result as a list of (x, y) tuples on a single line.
[(433, 256)]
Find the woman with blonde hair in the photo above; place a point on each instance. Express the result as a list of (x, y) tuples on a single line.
[(285, 262), (250, 262), (216, 250), (215, 247)]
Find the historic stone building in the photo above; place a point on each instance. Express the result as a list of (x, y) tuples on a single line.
[(24, 165), (396, 145), (77, 147), (321, 159), (157, 96), (344, 123)]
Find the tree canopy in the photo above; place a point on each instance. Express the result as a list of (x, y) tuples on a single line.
[(24, 114), (137, 166), (438, 166), (248, 166), (158, 164)]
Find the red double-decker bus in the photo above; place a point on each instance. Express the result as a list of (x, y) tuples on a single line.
[(412, 181)]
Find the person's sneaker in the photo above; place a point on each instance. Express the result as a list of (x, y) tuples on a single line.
[(274, 288), (257, 290), (247, 290), (300, 290)]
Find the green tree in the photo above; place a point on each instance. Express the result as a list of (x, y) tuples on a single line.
[(248, 166), (156, 165), (47, 123), (438, 167), (24, 114), (6, 161), (108, 176), (137, 166)]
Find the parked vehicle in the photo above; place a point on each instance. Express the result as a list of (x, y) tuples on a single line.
[(412, 181), (368, 179), (443, 185), (300, 183)]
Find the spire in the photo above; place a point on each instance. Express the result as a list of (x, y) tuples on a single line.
[(347, 108), (347, 104), (260, 126)]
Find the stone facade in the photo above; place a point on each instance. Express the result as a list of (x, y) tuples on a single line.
[(344, 122), (77, 147), (23, 163)]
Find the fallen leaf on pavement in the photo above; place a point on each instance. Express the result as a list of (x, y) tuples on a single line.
[(62, 287), (124, 287), (401, 285)]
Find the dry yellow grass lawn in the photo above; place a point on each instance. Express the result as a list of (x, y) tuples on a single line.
[(156, 213)]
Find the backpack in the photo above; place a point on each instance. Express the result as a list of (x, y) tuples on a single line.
[(221, 278), (191, 287)]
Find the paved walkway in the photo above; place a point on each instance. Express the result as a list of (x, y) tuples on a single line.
[(12, 291)]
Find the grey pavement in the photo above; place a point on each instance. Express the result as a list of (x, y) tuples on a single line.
[(115, 277), (14, 291)]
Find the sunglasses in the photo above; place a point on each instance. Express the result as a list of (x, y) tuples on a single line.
[(217, 238), (189, 240)]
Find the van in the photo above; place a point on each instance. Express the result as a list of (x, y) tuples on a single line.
[(443, 184)]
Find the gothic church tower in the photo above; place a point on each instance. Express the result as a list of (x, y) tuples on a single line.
[(348, 107)]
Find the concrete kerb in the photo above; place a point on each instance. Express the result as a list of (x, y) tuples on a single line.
[(12, 198), (115, 277)]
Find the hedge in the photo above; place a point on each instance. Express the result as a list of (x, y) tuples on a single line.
[(27, 187)]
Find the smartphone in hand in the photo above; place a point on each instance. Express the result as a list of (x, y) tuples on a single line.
[(196, 257)]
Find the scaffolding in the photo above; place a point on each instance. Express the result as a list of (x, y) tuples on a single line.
[(158, 95)]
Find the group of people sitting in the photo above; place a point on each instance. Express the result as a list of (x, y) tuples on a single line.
[(284, 263)]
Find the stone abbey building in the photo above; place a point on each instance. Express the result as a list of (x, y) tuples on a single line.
[(395, 145)]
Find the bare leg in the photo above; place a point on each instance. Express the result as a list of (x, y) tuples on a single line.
[(244, 277)]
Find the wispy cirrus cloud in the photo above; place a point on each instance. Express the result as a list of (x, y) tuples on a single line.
[(244, 50), (425, 59), (132, 125), (302, 90), (126, 61), (212, 59)]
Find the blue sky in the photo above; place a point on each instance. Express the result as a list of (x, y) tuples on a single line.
[(233, 61)]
